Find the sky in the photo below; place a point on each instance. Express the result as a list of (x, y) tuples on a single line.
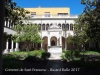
[(75, 6)]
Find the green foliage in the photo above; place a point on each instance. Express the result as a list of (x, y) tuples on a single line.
[(45, 55), (11, 61), (91, 19), (80, 37), (87, 25), (70, 54), (36, 53), (14, 12), (20, 54), (63, 57), (63, 51), (90, 52), (27, 33)]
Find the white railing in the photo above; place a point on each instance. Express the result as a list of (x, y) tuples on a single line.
[(55, 49), (55, 16)]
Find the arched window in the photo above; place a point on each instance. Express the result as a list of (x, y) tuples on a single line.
[(67, 26), (47, 26), (71, 26), (39, 26), (51, 24), (59, 25), (63, 26), (43, 27)]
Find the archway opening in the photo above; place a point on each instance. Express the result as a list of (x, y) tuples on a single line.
[(52, 43), (45, 43)]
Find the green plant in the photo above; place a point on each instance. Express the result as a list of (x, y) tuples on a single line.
[(70, 54), (63, 51), (45, 55), (63, 57), (11, 61), (36, 53)]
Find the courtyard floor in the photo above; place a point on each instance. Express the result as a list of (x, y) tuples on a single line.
[(53, 66)]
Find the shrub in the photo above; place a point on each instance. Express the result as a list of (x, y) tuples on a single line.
[(11, 61), (70, 54), (37, 53), (45, 55), (63, 57)]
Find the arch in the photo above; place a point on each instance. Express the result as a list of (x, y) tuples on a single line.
[(53, 41), (71, 26), (63, 26), (45, 42), (67, 26), (35, 23), (43, 26), (51, 24), (39, 26), (47, 25), (59, 25)]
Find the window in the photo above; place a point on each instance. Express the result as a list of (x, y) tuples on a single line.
[(47, 14), (43, 27), (67, 26), (33, 14), (62, 14), (63, 26), (47, 26), (71, 26)]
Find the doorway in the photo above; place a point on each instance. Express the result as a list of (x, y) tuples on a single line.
[(52, 43)]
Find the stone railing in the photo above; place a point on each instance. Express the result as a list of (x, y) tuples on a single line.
[(55, 49)]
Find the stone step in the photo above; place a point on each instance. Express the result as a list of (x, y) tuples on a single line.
[(55, 56)]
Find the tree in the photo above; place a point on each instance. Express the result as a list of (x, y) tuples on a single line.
[(92, 17), (27, 33), (87, 26), (80, 37), (13, 12)]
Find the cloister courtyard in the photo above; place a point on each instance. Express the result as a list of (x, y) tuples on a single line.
[(50, 40)]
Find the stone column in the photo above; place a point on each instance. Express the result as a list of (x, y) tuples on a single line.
[(57, 42), (17, 47), (6, 50), (45, 27), (61, 26), (60, 35), (41, 35), (8, 23), (5, 22), (12, 45), (69, 27), (48, 38), (73, 27)]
